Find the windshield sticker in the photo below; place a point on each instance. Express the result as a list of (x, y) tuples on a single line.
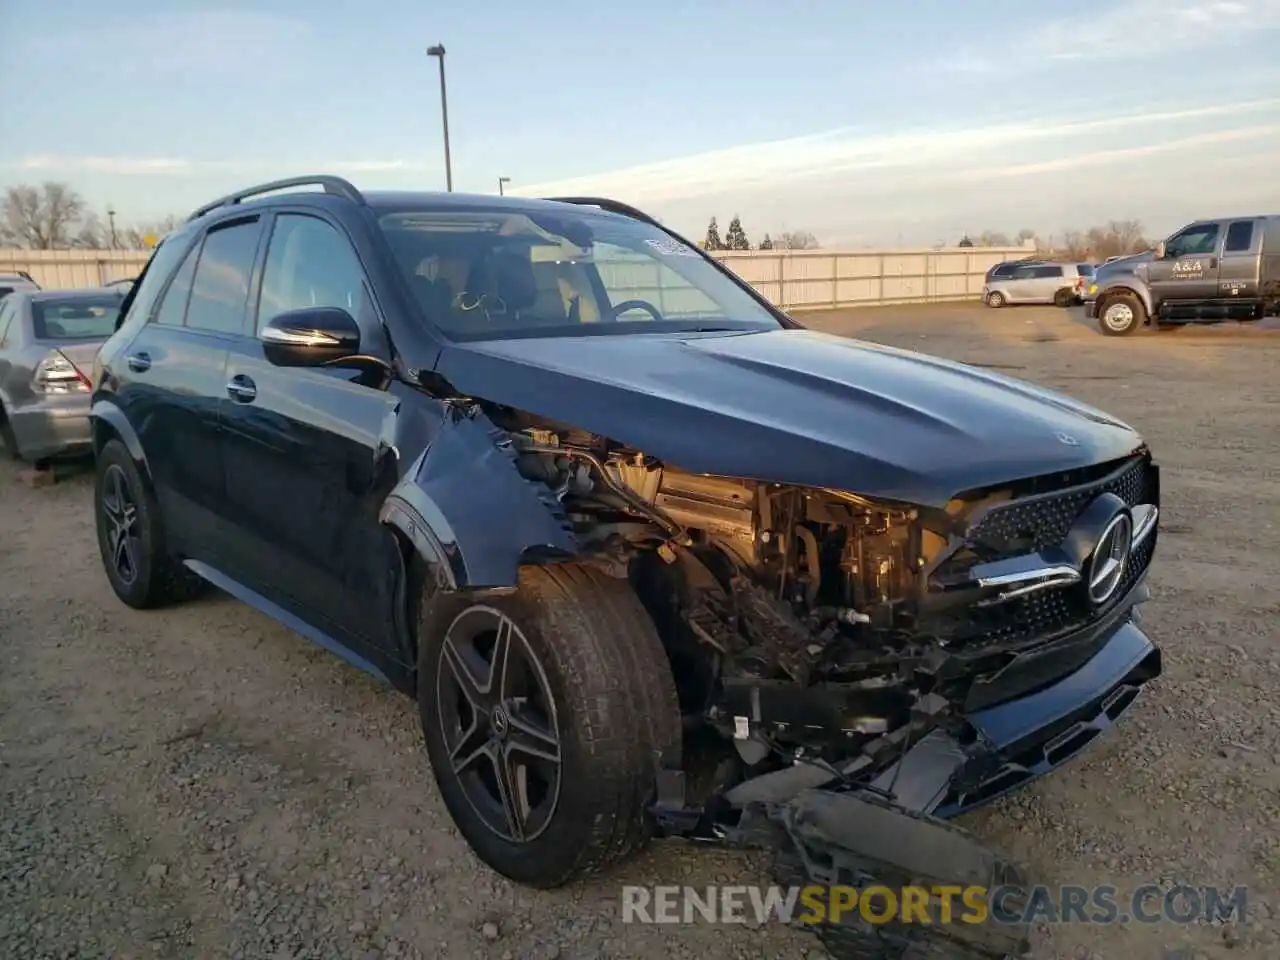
[(672, 248)]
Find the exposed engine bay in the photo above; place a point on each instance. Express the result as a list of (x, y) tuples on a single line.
[(801, 623)]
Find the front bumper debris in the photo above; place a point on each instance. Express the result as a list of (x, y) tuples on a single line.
[(894, 833), (837, 840)]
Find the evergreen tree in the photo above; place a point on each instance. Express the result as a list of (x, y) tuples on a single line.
[(713, 241), (766, 243), (736, 238)]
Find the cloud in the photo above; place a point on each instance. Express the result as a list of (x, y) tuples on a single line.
[(198, 42), (944, 153), (182, 167), (1131, 29)]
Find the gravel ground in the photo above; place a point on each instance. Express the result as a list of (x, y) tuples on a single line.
[(201, 782)]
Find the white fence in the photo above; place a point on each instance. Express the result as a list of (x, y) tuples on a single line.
[(793, 279)]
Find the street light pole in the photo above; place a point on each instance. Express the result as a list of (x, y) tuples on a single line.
[(111, 220), (438, 52), (501, 181)]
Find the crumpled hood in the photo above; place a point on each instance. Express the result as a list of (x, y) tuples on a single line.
[(796, 406)]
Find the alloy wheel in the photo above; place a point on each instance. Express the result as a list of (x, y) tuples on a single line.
[(121, 513), (499, 722)]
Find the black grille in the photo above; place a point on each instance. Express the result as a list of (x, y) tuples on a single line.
[(1036, 522), (1042, 615)]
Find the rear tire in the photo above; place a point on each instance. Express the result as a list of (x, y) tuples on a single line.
[(131, 536), (1064, 297), (588, 671), (995, 300), (1121, 315)]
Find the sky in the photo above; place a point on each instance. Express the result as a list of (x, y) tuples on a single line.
[(906, 123)]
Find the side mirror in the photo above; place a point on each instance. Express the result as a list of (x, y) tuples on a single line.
[(310, 337), (1161, 250)]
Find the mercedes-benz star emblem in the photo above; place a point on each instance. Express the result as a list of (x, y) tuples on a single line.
[(1106, 569), (1068, 439)]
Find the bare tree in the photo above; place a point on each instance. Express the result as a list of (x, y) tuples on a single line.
[(135, 237), (796, 240), (42, 218), (993, 238), (1025, 234)]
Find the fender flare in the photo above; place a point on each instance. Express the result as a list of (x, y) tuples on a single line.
[(470, 514), (1139, 290), (111, 414)]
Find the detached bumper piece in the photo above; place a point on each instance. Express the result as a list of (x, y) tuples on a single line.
[(859, 842)]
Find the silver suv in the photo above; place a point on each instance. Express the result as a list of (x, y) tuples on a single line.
[(1036, 281)]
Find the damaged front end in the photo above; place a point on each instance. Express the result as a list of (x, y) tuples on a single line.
[(853, 671)]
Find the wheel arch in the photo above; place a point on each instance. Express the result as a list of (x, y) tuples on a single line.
[(465, 519), (1133, 289), (108, 422)]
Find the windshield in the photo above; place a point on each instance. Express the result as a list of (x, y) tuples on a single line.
[(81, 318), (502, 273)]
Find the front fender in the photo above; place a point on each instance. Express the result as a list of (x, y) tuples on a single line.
[(1128, 283), (104, 411), (469, 512)]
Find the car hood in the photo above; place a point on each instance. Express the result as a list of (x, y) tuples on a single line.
[(1124, 264), (795, 406)]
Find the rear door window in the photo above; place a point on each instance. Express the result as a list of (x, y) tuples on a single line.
[(220, 290), (1239, 237), (75, 318), (1043, 273)]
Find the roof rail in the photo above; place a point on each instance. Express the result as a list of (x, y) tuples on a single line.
[(18, 273), (613, 206), (334, 186)]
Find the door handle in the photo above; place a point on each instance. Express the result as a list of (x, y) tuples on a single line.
[(1213, 262), (139, 362), (241, 389)]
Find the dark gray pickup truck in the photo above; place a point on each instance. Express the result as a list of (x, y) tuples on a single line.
[(1207, 272)]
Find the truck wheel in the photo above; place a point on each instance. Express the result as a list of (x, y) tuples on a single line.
[(995, 299), (1064, 297), (544, 713), (1120, 315)]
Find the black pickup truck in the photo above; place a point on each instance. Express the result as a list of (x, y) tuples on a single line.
[(1207, 272)]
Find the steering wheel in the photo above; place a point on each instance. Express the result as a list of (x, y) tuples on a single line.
[(644, 305)]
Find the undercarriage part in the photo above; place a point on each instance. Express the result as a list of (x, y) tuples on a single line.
[(833, 839)]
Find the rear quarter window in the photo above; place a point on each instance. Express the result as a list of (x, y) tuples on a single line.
[(155, 275)]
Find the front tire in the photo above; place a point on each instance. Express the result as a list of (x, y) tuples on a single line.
[(1121, 315), (544, 713), (131, 536), (995, 299)]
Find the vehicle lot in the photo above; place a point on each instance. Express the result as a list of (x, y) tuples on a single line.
[(200, 782)]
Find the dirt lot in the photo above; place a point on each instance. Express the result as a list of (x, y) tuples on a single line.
[(203, 783)]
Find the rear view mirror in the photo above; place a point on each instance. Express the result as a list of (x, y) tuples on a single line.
[(311, 337), (1161, 250)]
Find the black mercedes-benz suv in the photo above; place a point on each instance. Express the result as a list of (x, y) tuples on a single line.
[(651, 556)]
